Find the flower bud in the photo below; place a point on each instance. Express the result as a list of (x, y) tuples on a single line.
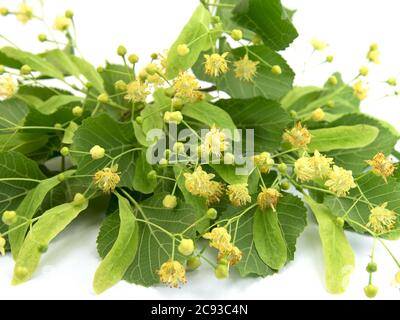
[(103, 98), (133, 58), (392, 82), (183, 50), (332, 81), (143, 75), (69, 14), (170, 92), (64, 151), (221, 271), (139, 120), (193, 263), (177, 103), (237, 34), (154, 56), (97, 152), (77, 111), (100, 69), (340, 222), (121, 51), (186, 247), (212, 214), (151, 69), (120, 86), (58, 126), (4, 11), (282, 168), (372, 267), (215, 19), (163, 162), (293, 114), (178, 148), (331, 104), (42, 37), (285, 185), (25, 70), (152, 175), (9, 217), (43, 248), (61, 177), (3, 243), (329, 59), (318, 115), (21, 272), (173, 117), (169, 201), (364, 70), (89, 85), (371, 291), (79, 199), (276, 70)]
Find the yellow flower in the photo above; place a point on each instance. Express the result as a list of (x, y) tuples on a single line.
[(216, 64), (232, 254), (216, 190), (360, 91), (25, 13), (382, 219), (107, 179), (219, 239), (298, 136), (321, 165), (172, 273), (97, 152), (156, 80), (318, 115), (304, 169), (169, 201), (62, 23), (340, 181), (381, 166), (2, 246), (396, 280), (187, 87), (173, 117), (268, 198), (318, 44), (137, 91), (238, 194), (374, 54), (198, 183), (8, 87), (215, 141), (264, 162), (245, 69)]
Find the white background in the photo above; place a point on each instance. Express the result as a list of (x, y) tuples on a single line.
[(146, 26)]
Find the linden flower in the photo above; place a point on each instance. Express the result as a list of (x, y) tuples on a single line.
[(321, 165), (137, 91), (298, 136), (381, 166), (156, 80), (238, 194), (219, 239), (268, 198), (2, 246), (216, 190), (340, 181), (215, 141), (216, 64), (304, 169), (172, 273), (245, 69), (233, 254), (360, 91), (318, 44), (187, 87), (318, 115), (61, 23), (264, 162), (198, 183), (107, 179), (382, 219), (8, 88), (374, 56), (25, 13)]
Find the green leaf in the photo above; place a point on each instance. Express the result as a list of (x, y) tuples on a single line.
[(108, 234), (228, 173), (141, 182), (266, 117), (54, 103), (51, 223), (114, 137), (338, 254), (121, 255), (12, 113), (152, 112), (89, 72), (268, 19), (28, 208), (155, 246), (265, 84), (209, 114), (354, 159), (378, 192), (292, 217), (299, 97), (269, 240), (70, 133), (342, 137), (196, 35), (34, 61), (63, 62), (24, 143)]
